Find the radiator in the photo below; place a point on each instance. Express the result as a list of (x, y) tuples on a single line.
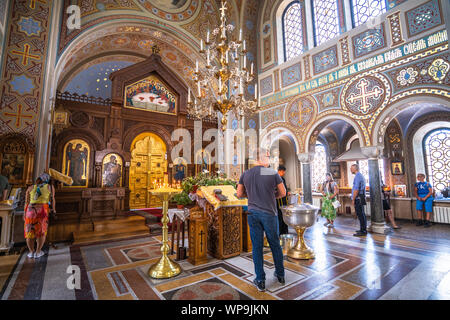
[(441, 214), (316, 202), (367, 209)]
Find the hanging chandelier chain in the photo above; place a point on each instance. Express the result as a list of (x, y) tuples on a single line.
[(221, 87)]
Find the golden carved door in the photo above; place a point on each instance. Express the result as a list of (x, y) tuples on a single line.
[(148, 165)]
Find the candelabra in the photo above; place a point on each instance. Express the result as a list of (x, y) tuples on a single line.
[(221, 87)]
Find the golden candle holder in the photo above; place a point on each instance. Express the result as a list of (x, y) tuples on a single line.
[(165, 267)]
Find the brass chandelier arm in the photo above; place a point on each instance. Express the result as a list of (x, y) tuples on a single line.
[(221, 88)]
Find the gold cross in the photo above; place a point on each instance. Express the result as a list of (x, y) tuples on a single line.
[(19, 115), (364, 95), (26, 54), (33, 3), (223, 9)]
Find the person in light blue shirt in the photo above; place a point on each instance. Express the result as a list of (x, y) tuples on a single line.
[(359, 199), (424, 194)]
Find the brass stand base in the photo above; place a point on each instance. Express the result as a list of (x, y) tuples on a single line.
[(300, 250), (305, 254), (164, 268)]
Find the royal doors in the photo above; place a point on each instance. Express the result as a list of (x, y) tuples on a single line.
[(147, 169)]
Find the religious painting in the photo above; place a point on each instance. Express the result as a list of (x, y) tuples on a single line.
[(400, 190), (335, 170), (76, 162), (168, 4), (13, 167), (397, 167), (202, 161), (112, 170), (179, 169), (60, 118), (151, 94)]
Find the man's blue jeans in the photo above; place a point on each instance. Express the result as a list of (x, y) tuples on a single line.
[(259, 223)]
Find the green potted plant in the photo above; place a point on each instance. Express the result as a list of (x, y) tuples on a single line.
[(181, 199)]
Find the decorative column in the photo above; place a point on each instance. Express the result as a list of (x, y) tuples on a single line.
[(305, 159), (378, 224)]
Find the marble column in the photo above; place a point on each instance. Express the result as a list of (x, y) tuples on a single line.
[(378, 224), (305, 159)]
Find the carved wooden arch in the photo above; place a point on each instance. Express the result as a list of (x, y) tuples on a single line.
[(19, 137), (153, 65), (136, 130), (93, 139)]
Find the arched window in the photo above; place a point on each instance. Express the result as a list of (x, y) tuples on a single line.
[(319, 166), (326, 23), (292, 30), (364, 10), (437, 158)]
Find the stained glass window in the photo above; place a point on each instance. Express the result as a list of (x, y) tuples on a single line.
[(319, 166), (292, 30), (326, 23), (437, 158), (364, 10)]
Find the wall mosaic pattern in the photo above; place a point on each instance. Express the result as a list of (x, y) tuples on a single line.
[(22, 74), (291, 75), (325, 60), (300, 112), (364, 95), (272, 115), (423, 17), (266, 85), (369, 41)]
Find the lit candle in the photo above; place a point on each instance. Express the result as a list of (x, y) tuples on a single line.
[(241, 89), (245, 62), (226, 57)]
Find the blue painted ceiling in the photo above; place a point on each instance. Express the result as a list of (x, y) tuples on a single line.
[(94, 81)]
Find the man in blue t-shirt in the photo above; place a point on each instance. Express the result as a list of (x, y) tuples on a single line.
[(262, 186), (359, 199), (423, 191)]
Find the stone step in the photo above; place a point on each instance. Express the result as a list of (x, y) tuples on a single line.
[(110, 236), (106, 225)]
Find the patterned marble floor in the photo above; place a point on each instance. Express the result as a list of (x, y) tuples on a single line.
[(413, 263)]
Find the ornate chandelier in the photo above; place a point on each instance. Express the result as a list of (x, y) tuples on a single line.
[(221, 88)]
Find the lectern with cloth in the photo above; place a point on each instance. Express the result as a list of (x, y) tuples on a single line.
[(224, 221)]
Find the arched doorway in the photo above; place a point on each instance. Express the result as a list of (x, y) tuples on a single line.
[(148, 168), (283, 153)]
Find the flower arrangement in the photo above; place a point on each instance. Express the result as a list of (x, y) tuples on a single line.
[(190, 184), (181, 199)]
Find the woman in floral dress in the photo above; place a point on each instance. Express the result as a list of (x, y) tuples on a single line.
[(329, 191)]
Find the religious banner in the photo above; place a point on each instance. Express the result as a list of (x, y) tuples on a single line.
[(112, 171), (76, 162), (151, 94)]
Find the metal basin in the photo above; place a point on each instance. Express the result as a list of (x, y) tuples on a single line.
[(299, 215)]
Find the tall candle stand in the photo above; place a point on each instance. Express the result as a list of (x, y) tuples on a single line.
[(165, 267)]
